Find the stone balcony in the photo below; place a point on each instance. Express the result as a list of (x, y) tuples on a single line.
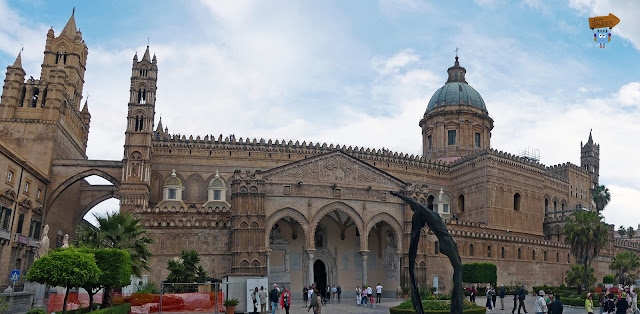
[(5, 236)]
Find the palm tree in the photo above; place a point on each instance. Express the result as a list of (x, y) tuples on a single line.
[(622, 231), (586, 233), (118, 231), (601, 197), (625, 264), (630, 232)]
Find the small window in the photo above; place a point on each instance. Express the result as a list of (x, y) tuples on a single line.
[(488, 250), (568, 258), (430, 202), (471, 250), (533, 255), (555, 205), (217, 195), (477, 140), (429, 142), (461, 203), (173, 194), (445, 208), (10, 176), (557, 257), (544, 256), (34, 229), (502, 252), (451, 137), (562, 206), (546, 205), (437, 248), (456, 75), (26, 187), (516, 201), (5, 215), (519, 253)]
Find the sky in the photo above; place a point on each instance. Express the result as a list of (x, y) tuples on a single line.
[(359, 72)]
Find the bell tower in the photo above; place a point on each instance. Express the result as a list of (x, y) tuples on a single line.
[(136, 162), (41, 118), (590, 160)]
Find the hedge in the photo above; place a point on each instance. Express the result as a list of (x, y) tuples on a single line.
[(124, 308), (578, 302), (479, 310), (479, 273)]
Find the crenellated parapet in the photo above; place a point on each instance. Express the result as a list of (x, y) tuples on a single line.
[(476, 231)]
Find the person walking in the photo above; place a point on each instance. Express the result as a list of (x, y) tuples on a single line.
[(334, 292), (315, 301), (494, 297), (472, 294), (588, 303), (256, 300), (540, 306), (378, 293), (515, 300), (285, 299), (622, 305), (358, 295), (328, 292), (609, 305), (502, 295), (262, 295), (489, 303), (364, 295), (555, 307), (601, 300), (305, 296), (273, 298), (339, 292), (521, 296)]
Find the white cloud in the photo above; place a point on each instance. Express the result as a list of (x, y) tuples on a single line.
[(622, 209), (395, 63), (626, 11)]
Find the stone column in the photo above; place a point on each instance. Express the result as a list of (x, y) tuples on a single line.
[(364, 266), (310, 278), (268, 265), (398, 267)]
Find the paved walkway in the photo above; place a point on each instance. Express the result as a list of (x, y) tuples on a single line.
[(346, 306), (528, 301)]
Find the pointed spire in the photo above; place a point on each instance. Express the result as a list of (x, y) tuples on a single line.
[(159, 129), (18, 63), (70, 29), (85, 109), (590, 141), (147, 56)]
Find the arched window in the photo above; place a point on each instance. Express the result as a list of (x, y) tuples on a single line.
[(502, 252), (546, 205), (533, 255), (568, 258), (545, 256), (562, 206), (34, 97), (44, 98), (461, 203), (137, 123), (519, 253), (22, 95), (555, 205), (488, 250), (437, 248), (516, 201), (430, 202), (471, 250)]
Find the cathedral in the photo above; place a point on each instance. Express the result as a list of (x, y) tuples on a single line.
[(294, 212)]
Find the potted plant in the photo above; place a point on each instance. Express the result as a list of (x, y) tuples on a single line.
[(230, 305), (405, 292)]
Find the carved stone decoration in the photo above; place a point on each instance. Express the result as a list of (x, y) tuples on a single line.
[(275, 237), (389, 256)]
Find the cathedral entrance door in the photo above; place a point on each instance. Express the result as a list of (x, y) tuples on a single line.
[(320, 275)]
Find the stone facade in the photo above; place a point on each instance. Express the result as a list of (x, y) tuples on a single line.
[(295, 212)]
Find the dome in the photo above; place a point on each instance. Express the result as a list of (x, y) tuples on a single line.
[(456, 91), (217, 182), (173, 180)]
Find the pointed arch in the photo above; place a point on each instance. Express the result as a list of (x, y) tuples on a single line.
[(77, 177), (340, 206), (391, 221), (291, 213)]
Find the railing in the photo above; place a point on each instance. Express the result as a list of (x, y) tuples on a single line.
[(34, 242), (5, 234)]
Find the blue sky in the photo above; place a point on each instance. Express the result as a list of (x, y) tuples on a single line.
[(360, 72)]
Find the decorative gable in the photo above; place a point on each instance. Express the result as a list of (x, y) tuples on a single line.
[(334, 168)]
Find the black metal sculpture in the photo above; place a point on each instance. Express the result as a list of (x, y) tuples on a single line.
[(421, 217)]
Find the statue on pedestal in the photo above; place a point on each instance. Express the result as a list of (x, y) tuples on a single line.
[(43, 248), (421, 217), (65, 241)]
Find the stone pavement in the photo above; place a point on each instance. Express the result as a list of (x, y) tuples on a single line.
[(346, 306), (528, 301)]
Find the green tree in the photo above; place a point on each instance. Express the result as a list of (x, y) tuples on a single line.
[(630, 232), (601, 197), (186, 268), (625, 264), (586, 233), (115, 267), (622, 231), (118, 231), (575, 276), (66, 268)]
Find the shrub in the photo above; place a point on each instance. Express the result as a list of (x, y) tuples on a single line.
[(230, 302), (124, 308), (479, 272), (37, 311), (149, 288), (608, 279)]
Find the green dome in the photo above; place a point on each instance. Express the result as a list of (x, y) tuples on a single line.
[(456, 93), (173, 180)]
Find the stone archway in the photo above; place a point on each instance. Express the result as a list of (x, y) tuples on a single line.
[(60, 188), (283, 213), (391, 221), (339, 206)]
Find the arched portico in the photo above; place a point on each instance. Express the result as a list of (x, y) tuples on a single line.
[(342, 207), (284, 213)]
